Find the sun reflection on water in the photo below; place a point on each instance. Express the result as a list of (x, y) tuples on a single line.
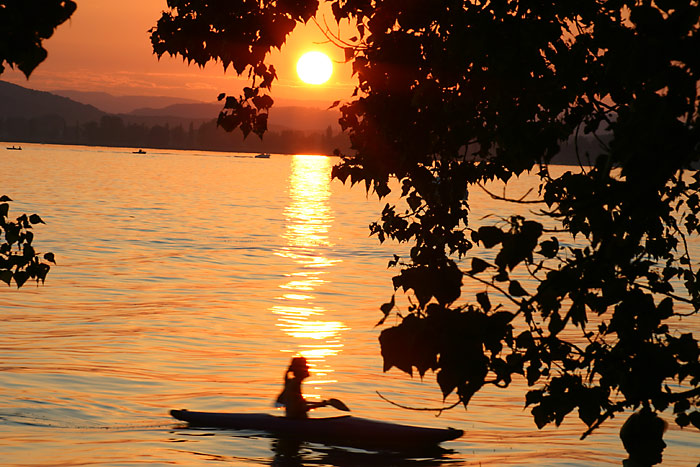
[(299, 313)]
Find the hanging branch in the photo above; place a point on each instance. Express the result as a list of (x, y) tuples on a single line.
[(439, 410), (521, 200)]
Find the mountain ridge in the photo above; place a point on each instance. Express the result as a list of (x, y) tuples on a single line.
[(20, 102), (25, 102), (120, 104), (28, 115)]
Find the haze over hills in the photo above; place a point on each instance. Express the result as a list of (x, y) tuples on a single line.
[(281, 118), (27, 115), (20, 102), (174, 110), (80, 106), (37, 116), (121, 104)]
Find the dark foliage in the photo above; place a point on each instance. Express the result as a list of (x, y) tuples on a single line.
[(18, 259), (238, 34), (452, 94), (24, 24)]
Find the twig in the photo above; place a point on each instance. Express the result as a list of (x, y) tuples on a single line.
[(668, 294), (503, 198), (421, 409), (503, 292)]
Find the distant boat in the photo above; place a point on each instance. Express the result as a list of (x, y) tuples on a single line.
[(13, 148), (264, 155), (140, 151)]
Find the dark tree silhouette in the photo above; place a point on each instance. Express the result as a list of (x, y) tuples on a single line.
[(24, 24), (451, 94), (18, 259)]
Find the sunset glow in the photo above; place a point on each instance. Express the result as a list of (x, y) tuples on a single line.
[(82, 56), (314, 68)]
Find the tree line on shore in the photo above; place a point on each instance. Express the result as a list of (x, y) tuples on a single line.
[(113, 130)]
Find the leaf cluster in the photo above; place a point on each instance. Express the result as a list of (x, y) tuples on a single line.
[(467, 92), (461, 346), (24, 24), (237, 34), (19, 261)]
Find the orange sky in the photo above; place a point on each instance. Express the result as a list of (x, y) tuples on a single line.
[(105, 46)]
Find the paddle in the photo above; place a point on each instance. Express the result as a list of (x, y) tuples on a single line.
[(337, 404)]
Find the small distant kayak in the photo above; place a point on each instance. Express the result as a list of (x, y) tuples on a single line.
[(345, 430), (15, 148), (140, 151), (264, 155)]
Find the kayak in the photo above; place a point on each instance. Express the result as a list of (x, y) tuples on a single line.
[(344, 430)]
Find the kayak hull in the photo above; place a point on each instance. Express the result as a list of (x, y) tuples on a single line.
[(343, 431)]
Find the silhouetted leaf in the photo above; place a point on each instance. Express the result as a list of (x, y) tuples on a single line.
[(386, 309), (5, 276), (12, 232), (549, 248), (448, 381), (35, 219), (20, 278), (490, 236), (349, 53), (502, 276), (263, 102), (478, 265), (694, 418), (515, 289), (556, 324), (484, 302)]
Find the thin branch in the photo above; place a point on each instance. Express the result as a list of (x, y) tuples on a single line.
[(667, 294), (503, 198), (578, 154), (439, 410), (675, 397), (685, 246), (490, 284), (598, 422), (335, 38)]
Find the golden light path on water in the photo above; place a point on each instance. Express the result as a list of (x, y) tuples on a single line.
[(307, 220)]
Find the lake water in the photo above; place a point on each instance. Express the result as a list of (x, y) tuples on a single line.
[(189, 280)]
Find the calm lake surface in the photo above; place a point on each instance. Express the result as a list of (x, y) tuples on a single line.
[(189, 280)]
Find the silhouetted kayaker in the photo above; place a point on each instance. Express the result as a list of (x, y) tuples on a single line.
[(642, 436), (291, 397)]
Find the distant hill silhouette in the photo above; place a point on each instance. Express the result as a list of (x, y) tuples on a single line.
[(181, 125), (27, 115), (199, 110), (121, 104), (281, 118), (19, 102), (161, 110)]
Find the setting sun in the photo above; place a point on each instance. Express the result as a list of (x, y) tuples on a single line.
[(314, 68)]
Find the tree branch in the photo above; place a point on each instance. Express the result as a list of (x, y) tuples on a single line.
[(510, 200), (439, 410)]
